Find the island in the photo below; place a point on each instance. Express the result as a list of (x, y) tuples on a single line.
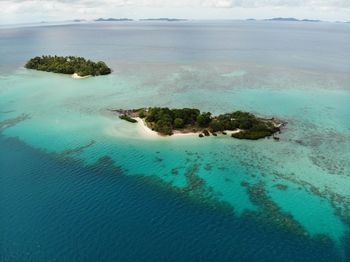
[(76, 66), (78, 20), (165, 19), (292, 19), (165, 121), (113, 20)]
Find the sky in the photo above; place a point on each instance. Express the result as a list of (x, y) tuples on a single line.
[(28, 11)]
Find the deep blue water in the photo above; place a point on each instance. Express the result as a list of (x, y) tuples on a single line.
[(56, 209)]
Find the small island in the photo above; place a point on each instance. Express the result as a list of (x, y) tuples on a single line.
[(164, 19), (113, 20), (76, 66), (292, 19), (165, 121)]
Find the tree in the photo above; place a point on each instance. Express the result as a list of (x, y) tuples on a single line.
[(204, 119), (216, 126), (164, 127), (178, 123)]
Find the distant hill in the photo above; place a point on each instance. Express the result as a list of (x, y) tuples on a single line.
[(310, 20), (163, 19), (291, 19), (112, 19)]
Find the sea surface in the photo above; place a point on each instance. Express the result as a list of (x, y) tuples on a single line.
[(79, 184)]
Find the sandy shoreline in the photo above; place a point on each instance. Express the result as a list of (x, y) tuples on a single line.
[(76, 76), (145, 131)]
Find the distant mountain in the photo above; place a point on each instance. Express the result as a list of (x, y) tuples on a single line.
[(163, 19), (112, 19), (291, 19), (284, 19), (310, 20)]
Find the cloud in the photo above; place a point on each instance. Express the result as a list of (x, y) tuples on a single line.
[(183, 3)]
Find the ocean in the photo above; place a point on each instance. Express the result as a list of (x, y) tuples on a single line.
[(79, 184)]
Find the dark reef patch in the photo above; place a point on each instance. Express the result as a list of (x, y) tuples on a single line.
[(78, 149), (158, 159), (175, 171), (7, 111), (208, 167), (244, 184), (271, 212), (341, 204), (7, 123), (281, 187)]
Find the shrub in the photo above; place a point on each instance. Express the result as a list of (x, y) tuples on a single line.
[(142, 113), (251, 135), (127, 118)]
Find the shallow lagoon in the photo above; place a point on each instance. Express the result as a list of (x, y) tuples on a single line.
[(213, 66)]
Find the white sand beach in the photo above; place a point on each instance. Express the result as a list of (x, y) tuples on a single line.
[(76, 76), (144, 130)]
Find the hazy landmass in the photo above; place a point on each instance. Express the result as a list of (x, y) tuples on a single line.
[(164, 19), (291, 19), (113, 19)]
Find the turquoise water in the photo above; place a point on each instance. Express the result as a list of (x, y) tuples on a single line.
[(298, 186)]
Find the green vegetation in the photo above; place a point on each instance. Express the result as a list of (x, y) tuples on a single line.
[(252, 135), (252, 127), (165, 121), (204, 119), (128, 118), (68, 65)]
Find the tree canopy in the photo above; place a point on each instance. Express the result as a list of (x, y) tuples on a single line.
[(68, 65)]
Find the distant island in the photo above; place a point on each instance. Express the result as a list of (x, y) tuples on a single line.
[(167, 122), (112, 19), (291, 19), (76, 66), (163, 19)]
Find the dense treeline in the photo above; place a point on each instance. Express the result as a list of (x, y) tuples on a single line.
[(68, 65), (165, 120), (251, 126)]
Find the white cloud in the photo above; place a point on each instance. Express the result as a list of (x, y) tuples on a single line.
[(185, 3)]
